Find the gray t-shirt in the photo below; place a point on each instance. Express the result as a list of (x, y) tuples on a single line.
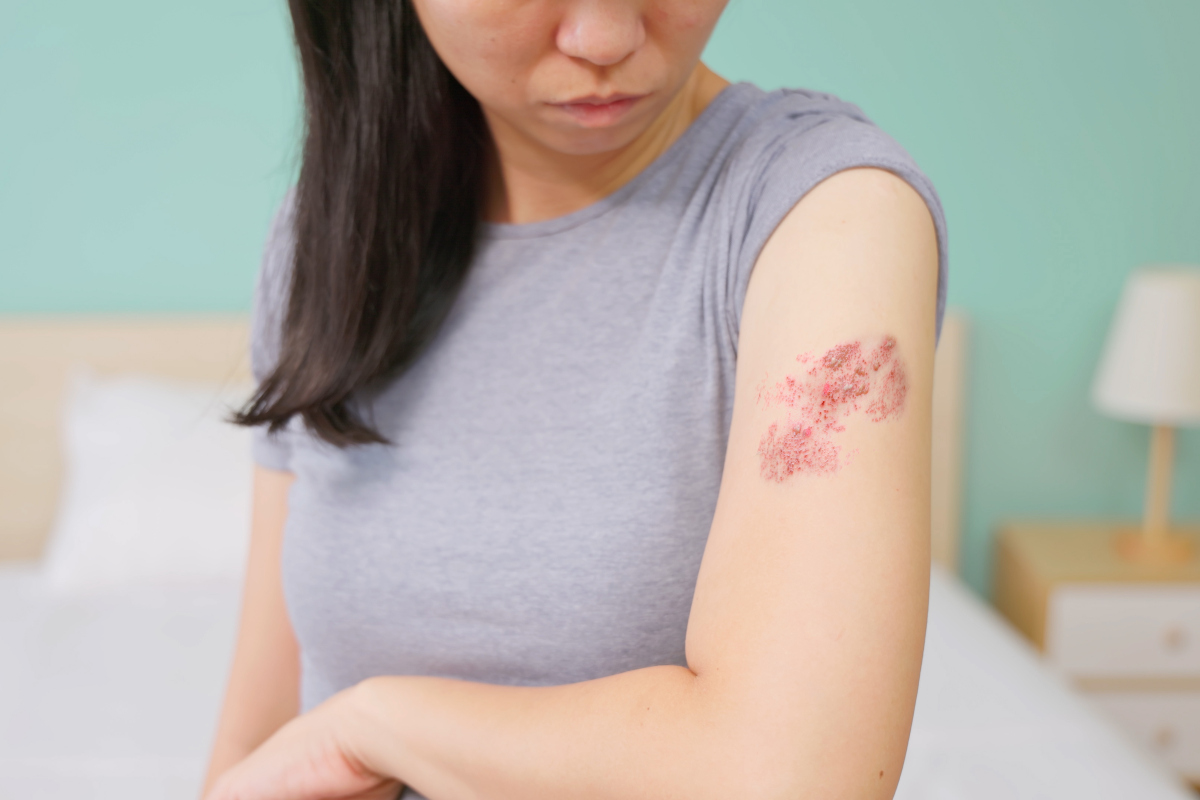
[(557, 451)]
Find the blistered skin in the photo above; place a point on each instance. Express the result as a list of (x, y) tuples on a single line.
[(819, 397)]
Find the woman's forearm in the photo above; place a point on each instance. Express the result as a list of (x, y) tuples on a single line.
[(654, 733)]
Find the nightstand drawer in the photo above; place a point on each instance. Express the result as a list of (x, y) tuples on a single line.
[(1123, 630), (1166, 723)]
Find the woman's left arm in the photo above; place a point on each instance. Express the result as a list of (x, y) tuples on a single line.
[(807, 626)]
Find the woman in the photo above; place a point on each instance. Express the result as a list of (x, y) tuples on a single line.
[(598, 398)]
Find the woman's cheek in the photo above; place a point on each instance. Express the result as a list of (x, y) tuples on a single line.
[(686, 23), (476, 34)]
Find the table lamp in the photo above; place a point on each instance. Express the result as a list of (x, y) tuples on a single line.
[(1150, 373)]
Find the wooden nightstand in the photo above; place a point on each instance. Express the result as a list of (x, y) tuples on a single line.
[(1127, 634)]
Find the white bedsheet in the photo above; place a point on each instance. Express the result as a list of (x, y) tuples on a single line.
[(993, 722), (111, 697), (116, 696)]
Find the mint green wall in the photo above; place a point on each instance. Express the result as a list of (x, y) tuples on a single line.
[(144, 145), (1064, 139)]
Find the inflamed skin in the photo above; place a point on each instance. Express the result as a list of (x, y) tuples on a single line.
[(846, 380)]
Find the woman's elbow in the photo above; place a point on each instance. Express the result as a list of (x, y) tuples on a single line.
[(764, 761)]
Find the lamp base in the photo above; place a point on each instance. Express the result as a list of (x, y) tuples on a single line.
[(1163, 549)]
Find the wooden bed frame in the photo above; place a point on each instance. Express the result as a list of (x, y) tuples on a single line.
[(38, 355)]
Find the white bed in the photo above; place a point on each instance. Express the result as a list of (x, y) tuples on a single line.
[(113, 692), (116, 695), (109, 696)]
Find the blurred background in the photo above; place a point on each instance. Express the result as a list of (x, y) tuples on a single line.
[(147, 144)]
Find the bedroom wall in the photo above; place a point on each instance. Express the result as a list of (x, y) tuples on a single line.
[(145, 144)]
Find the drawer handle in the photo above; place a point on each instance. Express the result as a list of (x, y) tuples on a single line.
[(1175, 638), (1164, 737)]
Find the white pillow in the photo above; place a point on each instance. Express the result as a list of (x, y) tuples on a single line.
[(157, 486)]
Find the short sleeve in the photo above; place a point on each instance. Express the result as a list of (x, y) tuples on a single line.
[(272, 450), (803, 139)]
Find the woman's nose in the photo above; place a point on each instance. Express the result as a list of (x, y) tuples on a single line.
[(604, 32)]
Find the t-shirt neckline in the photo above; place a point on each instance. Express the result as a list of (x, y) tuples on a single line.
[(549, 227)]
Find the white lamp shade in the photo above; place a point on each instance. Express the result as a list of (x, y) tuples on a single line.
[(1150, 369)]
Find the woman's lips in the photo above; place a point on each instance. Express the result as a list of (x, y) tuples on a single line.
[(597, 112)]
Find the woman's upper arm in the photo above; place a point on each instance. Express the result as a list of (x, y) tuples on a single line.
[(267, 652), (268, 519), (809, 611), (264, 682)]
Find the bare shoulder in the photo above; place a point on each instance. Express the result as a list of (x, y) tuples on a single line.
[(865, 203), (857, 255)]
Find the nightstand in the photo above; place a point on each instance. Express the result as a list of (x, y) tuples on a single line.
[(1127, 634)]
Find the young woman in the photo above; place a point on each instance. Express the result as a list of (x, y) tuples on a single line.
[(594, 402)]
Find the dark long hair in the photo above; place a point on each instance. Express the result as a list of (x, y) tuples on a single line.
[(387, 212)]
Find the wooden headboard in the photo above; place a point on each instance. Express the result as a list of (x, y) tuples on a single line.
[(37, 355)]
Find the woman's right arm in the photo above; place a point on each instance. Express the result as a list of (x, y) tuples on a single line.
[(264, 683)]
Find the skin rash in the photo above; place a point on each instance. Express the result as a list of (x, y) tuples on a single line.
[(846, 380)]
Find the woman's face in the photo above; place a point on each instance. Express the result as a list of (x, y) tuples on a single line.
[(576, 76)]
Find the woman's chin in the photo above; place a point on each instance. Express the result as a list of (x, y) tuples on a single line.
[(590, 138)]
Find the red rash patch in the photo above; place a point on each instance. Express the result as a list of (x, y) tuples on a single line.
[(841, 382)]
